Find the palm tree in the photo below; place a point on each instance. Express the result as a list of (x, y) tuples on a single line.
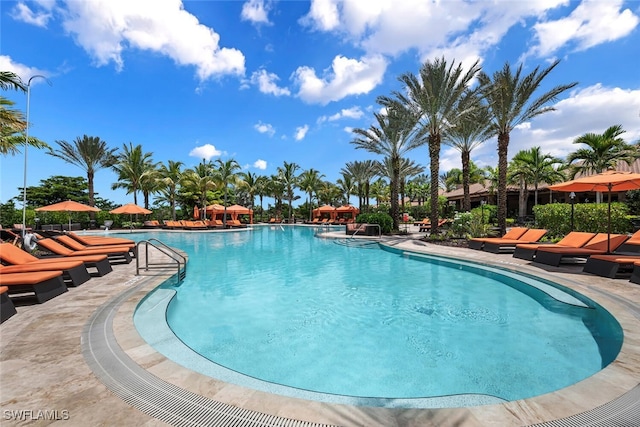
[(509, 99), (396, 134), (275, 188), (262, 189), (89, 153), (418, 188), (169, 177), (362, 172), (132, 167), (249, 182), (436, 95), (225, 175), (310, 181), (603, 152), (346, 184), (408, 169), (380, 191), (9, 80), (538, 168), (471, 130), (287, 175), (198, 182)]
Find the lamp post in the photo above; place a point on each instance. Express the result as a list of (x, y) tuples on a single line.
[(482, 203), (26, 144), (572, 197)]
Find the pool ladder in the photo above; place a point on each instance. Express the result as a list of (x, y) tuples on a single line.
[(176, 260)]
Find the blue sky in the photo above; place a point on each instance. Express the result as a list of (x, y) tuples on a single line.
[(264, 82)]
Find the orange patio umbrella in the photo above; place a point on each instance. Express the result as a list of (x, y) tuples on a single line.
[(325, 209), (131, 209), (236, 210), (608, 181), (68, 206)]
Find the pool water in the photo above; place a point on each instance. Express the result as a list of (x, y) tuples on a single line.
[(284, 307)]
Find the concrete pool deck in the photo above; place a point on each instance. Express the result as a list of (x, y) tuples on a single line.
[(43, 369)]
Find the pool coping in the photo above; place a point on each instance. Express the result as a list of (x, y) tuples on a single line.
[(611, 383)]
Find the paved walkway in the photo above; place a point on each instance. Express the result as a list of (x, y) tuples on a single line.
[(42, 367)]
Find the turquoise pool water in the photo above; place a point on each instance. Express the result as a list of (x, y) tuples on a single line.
[(291, 310)]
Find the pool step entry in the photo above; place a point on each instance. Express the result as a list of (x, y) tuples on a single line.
[(171, 259)]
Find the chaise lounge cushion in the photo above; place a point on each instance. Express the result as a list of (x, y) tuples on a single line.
[(574, 239)]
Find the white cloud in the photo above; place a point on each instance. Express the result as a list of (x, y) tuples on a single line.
[(206, 152), (346, 77), (301, 132), (256, 11), (260, 164), (264, 128), (22, 12), (22, 71), (266, 83), (323, 15), (106, 28), (351, 113), (591, 23)]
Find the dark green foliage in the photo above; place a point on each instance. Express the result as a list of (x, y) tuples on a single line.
[(382, 219), (56, 189), (590, 217), (633, 202), (488, 213)]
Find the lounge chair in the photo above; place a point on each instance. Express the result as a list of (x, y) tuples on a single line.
[(234, 223), (77, 246), (427, 227), (100, 240), (194, 225), (508, 246), (14, 256), (635, 274), (44, 284), (115, 254), (632, 245), (596, 246), (512, 234), (7, 309), (574, 239), (611, 265), (74, 273)]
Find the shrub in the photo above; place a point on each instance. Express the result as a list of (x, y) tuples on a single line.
[(589, 217), (382, 219)]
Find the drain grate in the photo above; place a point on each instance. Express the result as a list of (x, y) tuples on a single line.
[(156, 397), (623, 411)]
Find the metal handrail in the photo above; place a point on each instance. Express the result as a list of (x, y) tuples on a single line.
[(178, 259), (363, 227)]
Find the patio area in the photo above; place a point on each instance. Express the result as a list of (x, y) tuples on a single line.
[(78, 360)]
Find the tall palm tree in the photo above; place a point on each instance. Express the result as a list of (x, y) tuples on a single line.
[(418, 188), (89, 153), (226, 174), (380, 191), (509, 97), (471, 130), (170, 176), (602, 152), (436, 95), (395, 135), (288, 177), (408, 169), (262, 189), (132, 167), (275, 189), (310, 181)]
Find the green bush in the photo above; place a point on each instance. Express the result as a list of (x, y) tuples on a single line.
[(589, 217), (382, 219)]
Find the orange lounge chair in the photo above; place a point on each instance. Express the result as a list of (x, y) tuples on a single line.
[(100, 240), (44, 284), (610, 265), (512, 234), (77, 246), (115, 254), (574, 239), (635, 274), (74, 273), (7, 309), (14, 256), (632, 245), (596, 246), (508, 246)]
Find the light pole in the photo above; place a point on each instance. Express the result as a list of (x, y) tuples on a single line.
[(572, 197), (26, 144), (482, 203)]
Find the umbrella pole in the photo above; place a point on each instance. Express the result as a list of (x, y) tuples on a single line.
[(609, 221)]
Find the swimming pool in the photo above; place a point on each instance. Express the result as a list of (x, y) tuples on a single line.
[(283, 311)]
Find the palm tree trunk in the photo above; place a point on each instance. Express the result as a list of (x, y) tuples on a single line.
[(434, 154), (503, 145), (466, 200)]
